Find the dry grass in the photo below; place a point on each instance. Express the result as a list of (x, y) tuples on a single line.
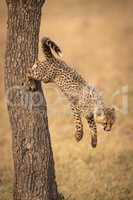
[(97, 36)]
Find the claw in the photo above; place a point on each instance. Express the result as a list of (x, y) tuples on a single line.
[(30, 85)]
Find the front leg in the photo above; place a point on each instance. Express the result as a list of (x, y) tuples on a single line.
[(93, 129), (78, 123)]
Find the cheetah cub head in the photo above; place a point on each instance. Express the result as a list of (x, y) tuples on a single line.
[(106, 118)]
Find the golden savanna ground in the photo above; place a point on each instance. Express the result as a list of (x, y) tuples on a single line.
[(96, 36)]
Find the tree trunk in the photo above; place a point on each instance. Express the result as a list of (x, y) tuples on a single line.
[(34, 176)]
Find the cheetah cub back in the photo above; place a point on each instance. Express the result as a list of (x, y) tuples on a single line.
[(85, 100)]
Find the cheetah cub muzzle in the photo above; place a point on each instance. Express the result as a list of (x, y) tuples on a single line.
[(85, 100)]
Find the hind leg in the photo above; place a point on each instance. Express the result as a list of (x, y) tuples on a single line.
[(31, 78), (78, 123), (93, 129), (38, 72)]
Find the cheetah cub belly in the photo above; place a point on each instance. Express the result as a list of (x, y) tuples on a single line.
[(84, 99)]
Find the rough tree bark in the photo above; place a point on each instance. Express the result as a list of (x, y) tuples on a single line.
[(34, 176)]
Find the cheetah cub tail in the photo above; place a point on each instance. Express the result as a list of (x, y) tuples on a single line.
[(47, 45)]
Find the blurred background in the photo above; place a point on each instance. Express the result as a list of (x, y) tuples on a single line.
[(96, 37)]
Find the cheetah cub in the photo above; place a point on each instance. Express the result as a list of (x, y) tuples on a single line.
[(84, 99)]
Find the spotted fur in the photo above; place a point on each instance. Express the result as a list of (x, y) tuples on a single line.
[(85, 100)]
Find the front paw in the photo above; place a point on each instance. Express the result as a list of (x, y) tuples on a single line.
[(94, 141), (78, 135)]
